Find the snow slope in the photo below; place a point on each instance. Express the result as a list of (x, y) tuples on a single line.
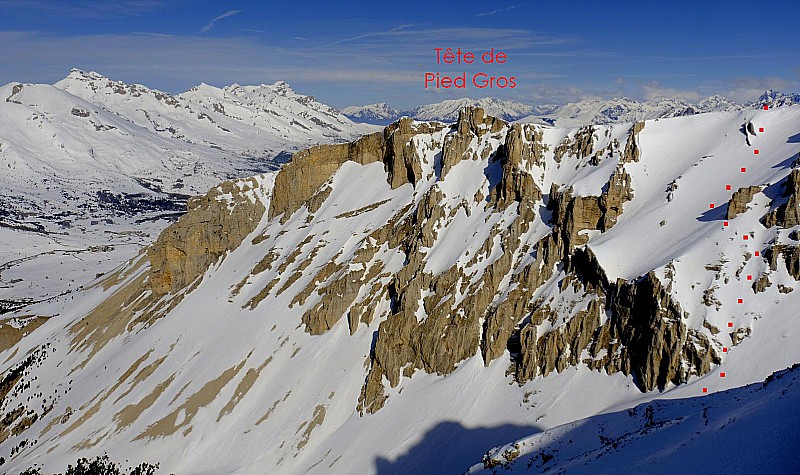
[(226, 374), (751, 429)]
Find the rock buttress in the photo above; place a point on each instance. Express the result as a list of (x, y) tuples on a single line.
[(787, 215), (740, 199), (299, 180), (213, 226)]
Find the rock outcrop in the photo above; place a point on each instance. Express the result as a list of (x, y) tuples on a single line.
[(787, 215), (215, 224), (299, 180), (472, 123), (740, 199), (450, 330), (632, 152), (157, 280)]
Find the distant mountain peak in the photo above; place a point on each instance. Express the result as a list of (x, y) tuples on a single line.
[(446, 111)]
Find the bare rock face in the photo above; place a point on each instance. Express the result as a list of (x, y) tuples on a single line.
[(632, 152), (644, 334), (309, 169), (787, 215), (580, 145), (572, 215), (472, 123), (299, 180), (791, 258), (740, 199), (214, 225), (517, 185)]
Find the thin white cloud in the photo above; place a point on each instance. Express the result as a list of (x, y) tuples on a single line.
[(745, 89), (371, 34), (214, 20), (87, 8), (654, 90), (500, 10), (299, 38)]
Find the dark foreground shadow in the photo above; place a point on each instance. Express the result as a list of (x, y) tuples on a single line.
[(450, 448)]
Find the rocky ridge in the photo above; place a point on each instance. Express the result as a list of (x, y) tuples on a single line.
[(418, 249)]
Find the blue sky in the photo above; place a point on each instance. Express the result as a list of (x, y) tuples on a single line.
[(362, 52)]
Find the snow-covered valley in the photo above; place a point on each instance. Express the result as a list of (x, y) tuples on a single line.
[(93, 169)]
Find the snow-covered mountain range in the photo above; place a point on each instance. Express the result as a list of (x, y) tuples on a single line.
[(445, 111), (92, 168), (438, 298), (574, 114)]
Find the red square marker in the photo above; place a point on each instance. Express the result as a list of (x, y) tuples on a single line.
[(755, 152), (758, 253), (730, 324), (725, 223), (766, 107), (744, 169), (724, 349), (740, 301), (728, 187), (761, 129), (722, 375), (711, 206), (745, 237), (749, 277), (705, 390)]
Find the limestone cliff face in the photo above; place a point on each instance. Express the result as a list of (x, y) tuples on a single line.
[(740, 199), (472, 122), (433, 317), (787, 214), (214, 224), (308, 170), (451, 330)]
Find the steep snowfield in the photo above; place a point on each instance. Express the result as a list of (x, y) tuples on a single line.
[(222, 375), (751, 429)]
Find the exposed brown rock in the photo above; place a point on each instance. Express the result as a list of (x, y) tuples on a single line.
[(516, 184), (580, 144), (740, 199), (10, 335), (472, 122), (299, 180), (632, 152), (213, 226), (787, 215), (791, 258)]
